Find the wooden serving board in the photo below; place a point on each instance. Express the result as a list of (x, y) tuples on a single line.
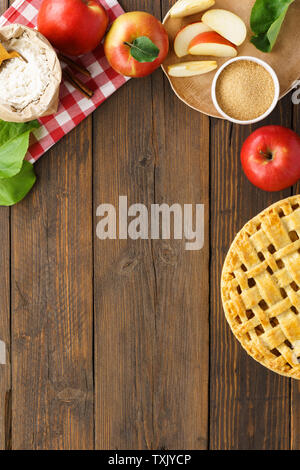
[(285, 57)]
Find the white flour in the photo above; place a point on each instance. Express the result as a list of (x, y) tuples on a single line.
[(22, 83)]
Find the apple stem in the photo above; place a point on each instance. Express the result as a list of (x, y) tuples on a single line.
[(267, 155)]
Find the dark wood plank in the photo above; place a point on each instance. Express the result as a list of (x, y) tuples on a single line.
[(5, 371), (124, 280), (182, 312), (249, 405), (295, 387), (150, 298), (151, 322), (52, 302)]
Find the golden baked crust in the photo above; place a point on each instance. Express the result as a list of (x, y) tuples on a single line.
[(261, 287)]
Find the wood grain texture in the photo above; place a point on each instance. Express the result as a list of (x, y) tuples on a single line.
[(5, 371), (182, 326), (295, 386), (52, 306), (124, 281), (113, 344), (124, 275), (147, 327), (124, 157), (249, 405)]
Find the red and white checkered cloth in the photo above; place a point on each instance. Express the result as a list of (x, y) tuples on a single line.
[(74, 107)]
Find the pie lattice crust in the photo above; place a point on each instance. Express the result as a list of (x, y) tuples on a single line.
[(261, 287)]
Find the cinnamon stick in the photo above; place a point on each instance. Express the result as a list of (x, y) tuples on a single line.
[(79, 68), (87, 92)]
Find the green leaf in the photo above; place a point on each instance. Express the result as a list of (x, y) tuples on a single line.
[(267, 17), (16, 175), (143, 49), (14, 142), (13, 190)]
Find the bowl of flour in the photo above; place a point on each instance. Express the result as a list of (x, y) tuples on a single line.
[(29, 86)]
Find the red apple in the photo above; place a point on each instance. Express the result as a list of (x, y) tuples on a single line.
[(74, 27), (271, 158), (126, 32)]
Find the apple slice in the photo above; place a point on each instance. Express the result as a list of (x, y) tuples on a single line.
[(229, 25), (190, 7), (190, 69), (185, 35), (212, 43)]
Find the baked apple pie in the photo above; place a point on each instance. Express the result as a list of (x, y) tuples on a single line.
[(261, 287)]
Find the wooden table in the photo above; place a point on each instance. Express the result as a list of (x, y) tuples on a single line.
[(124, 344)]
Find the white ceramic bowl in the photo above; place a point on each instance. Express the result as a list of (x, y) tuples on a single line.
[(275, 80)]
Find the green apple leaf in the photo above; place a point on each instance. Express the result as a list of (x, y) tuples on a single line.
[(267, 17), (143, 49), (14, 143), (14, 189)]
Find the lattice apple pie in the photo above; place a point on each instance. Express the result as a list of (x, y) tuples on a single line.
[(261, 287)]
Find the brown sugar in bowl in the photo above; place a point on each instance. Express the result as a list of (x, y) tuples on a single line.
[(245, 90)]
